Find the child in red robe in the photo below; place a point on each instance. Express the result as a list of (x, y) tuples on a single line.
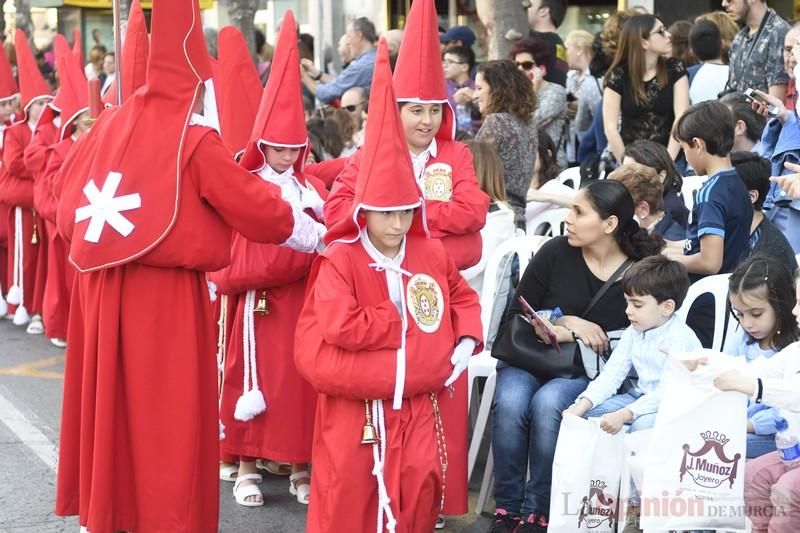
[(8, 95), (270, 413), (388, 321)]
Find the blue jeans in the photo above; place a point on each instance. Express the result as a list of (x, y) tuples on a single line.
[(526, 417), (758, 445), (645, 421)]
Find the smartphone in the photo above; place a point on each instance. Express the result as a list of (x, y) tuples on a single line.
[(534, 317), (753, 95)]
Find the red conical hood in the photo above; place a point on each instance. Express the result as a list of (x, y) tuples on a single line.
[(386, 176), (418, 74), (31, 82), (135, 50), (8, 85), (239, 87), (77, 45), (60, 46), (280, 120), (72, 97), (138, 150)]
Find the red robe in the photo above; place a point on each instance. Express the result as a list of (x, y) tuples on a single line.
[(284, 431), (457, 222), (60, 272), (16, 190), (139, 432), (346, 345)]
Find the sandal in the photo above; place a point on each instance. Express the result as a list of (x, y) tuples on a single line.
[(228, 471), (274, 467), (35, 327), (241, 491), (59, 343), (300, 491)]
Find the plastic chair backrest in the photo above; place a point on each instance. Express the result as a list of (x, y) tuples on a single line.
[(691, 184), (717, 286), (549, 222), (523, 247), (571, 177)]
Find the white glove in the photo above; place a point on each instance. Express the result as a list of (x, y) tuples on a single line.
[(310, 199), (306, 233), (212, 290), (460, 359)]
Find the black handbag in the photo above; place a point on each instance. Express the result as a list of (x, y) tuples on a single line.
[(518, 345)]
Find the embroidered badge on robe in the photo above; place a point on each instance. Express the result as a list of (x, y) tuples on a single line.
[(425, 302), (437, 182)]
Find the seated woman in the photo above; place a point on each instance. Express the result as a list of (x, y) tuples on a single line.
[(546, 192), (566, 273), (500, 224)]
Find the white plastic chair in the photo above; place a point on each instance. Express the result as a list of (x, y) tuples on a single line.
[(717, 286), (691, 184), (483, 364), (549, 222), (571, 177)]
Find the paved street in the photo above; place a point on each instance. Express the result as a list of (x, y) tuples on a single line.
[(30, 410)]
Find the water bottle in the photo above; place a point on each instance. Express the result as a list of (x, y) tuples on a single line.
[(463, 118), (787, 444)]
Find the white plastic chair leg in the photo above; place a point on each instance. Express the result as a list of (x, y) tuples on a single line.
[(480, 423), (486, 484)]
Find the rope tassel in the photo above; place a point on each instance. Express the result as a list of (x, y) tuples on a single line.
[(379, 458), (17, 297), (251, 403)]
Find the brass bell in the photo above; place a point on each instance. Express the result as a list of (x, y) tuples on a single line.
[(368, 433), (35, 235), (262, 307)]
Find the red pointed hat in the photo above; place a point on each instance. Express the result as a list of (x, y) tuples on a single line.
[(31, 82), (136, 153), (135, 49), (386, 176), (280, 120), (418, 74), (8, 85), (60, 46), (240, 89), (72, 97)]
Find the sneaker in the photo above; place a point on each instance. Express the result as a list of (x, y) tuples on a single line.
[(503, 523), (58, 343), (440, 523), (536, 523), (632, 520)]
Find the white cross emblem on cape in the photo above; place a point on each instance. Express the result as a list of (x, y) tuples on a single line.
[(104, 208)]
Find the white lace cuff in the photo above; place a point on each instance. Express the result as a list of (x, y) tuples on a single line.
[(305, 235)]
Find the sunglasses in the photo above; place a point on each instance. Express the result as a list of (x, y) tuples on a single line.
[(450, 62), (352, 108), (525, 65), (661, 31)]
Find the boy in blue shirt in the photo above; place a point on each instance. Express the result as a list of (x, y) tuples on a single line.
[(718, 235)]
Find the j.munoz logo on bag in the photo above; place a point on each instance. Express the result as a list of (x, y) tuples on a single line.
[(598, 507), (709, 466)]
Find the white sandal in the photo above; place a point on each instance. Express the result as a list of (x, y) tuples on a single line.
[(274, 467), (242, 492), (301, 492), (35, 327), (228, 472)]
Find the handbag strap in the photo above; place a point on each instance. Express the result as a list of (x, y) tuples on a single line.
[(607, 285)]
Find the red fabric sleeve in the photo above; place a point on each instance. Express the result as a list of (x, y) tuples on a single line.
[(340, 200), (467, 208), (345, 323), (327, 170), (465, 307), (14, 153), (35, 154), (44, 184), (247, 203), (260, 266)]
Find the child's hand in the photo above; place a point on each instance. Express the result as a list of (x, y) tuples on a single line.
[(692, 364), (578, 408), (733, 380), (613, 422)]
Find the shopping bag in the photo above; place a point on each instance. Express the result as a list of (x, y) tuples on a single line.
[(694, 463), (586, 473)]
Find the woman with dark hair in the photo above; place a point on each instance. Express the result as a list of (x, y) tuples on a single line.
[(654, 155), (532, 55), (507, 102), (565, 273), (646, 90)]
